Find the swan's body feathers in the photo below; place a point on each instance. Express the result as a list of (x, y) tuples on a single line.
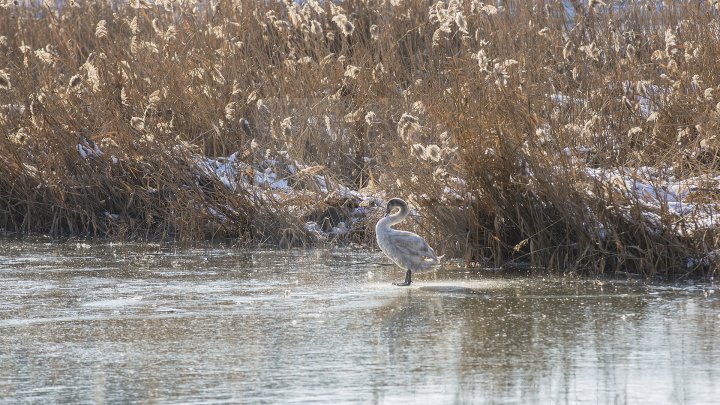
[(408, 250)]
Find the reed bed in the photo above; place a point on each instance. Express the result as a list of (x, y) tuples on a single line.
[(571, 136)]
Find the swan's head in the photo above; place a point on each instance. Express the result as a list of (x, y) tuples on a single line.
[(395, 203)]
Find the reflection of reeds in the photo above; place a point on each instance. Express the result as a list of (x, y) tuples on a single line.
[(515, 131)]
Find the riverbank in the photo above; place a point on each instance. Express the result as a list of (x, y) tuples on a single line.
[(583, 141)]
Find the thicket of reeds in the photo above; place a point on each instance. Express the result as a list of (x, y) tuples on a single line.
[(543, 132)]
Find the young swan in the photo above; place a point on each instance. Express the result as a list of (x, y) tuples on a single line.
[(406, 249)]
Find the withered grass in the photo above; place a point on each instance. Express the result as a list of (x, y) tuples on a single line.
[(515, 131)]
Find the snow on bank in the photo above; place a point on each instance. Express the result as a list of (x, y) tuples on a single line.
[(236, 174), (273, 181), (659, 194), (280, 181)]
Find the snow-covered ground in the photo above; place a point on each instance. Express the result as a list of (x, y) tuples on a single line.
[(662, 193)]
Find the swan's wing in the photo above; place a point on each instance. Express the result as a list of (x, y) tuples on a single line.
[(409, 244)]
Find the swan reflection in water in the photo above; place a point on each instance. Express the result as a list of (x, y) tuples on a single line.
[(408, 250)]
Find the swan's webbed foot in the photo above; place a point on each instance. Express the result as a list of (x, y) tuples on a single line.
[(408, 280)]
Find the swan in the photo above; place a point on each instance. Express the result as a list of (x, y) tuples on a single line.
[(406, 249)]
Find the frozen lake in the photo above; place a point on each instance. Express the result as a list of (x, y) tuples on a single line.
[(125, 323)]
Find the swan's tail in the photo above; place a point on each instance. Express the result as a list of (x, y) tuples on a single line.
[(431, 262)]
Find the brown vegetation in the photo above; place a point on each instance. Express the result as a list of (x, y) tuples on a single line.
[(579, 138)]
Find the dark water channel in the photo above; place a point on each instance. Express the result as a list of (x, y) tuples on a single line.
[(122, 324)]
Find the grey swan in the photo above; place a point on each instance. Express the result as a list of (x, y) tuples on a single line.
[(408, 250)]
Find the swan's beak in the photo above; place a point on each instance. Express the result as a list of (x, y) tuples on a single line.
[(387, 210)]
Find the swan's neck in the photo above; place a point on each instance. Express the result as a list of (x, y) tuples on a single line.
[(392, 219)]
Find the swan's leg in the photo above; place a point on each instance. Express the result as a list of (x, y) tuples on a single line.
[(408, 279)]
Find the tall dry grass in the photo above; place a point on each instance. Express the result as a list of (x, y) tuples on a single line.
[(516, 131)]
